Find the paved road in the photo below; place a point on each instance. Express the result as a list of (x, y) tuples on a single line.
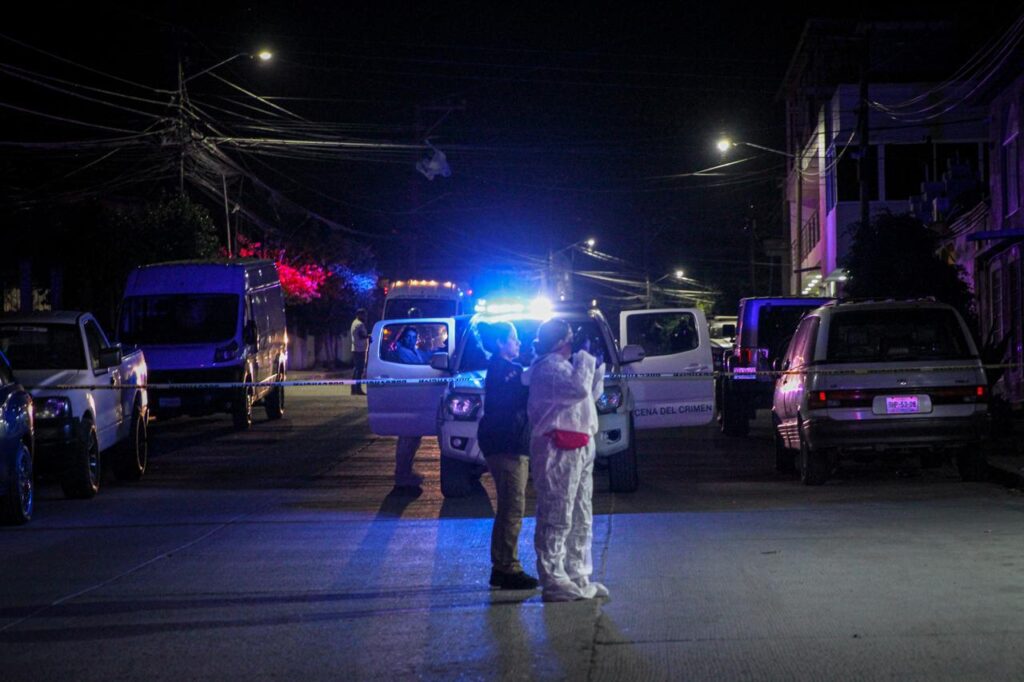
[(283, 553)]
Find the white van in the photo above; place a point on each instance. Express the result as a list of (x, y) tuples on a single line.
[(206, 322)]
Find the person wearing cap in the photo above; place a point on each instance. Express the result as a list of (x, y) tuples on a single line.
[(563, 424)]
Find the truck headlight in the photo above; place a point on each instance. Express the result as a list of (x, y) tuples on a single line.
[(463, 406), (53, 408), (610, 400)]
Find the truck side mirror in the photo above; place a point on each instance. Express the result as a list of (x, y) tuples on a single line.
[(439, 361), (109, 357), (632, 353)]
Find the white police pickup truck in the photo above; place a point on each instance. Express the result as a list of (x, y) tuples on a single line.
[(77, 427), (451, 402)]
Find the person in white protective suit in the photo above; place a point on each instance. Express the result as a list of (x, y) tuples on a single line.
[(563, 389)]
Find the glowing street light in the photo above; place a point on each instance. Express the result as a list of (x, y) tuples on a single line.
[(262, 55), (591, 243), (725, 144), (680, 274)]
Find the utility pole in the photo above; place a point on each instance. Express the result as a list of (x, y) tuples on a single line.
[(862, 129), (227, 213)]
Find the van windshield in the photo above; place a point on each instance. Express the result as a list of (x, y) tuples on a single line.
[(896, 335), (178, 319), (405, 308)]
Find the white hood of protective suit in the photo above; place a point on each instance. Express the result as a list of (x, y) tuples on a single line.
[(563, 393)]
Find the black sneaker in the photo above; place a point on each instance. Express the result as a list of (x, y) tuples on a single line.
[(518, 581), (497, 577)]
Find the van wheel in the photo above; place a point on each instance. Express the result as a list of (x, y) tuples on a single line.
[(456, 477), (19, 498), (81, 480), (972, 464), (735, 419), (241, 406), (815, 465), (133, 456), (785, 458), (623, 474), (274, 402)]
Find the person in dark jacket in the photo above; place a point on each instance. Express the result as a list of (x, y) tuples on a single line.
[(502, 436)]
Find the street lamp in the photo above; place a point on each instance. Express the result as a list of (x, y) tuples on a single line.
[(725, 144), (262, 55)]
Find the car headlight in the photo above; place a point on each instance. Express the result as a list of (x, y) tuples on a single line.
[(463, 406), (610, 400), (53, 408)]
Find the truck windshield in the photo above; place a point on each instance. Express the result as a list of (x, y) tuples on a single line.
[(179, 319), (43, 346), (405, 308)]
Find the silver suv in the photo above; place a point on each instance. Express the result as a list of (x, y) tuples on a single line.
[(880, 378)]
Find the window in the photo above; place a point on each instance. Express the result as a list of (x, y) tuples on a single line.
[(848, 174), (398, 308), (179, 319), (42, 346), (801, 350), (1011, 163), (413, 344), (906, 167), (663, 333), (896, 335), (95, 341)]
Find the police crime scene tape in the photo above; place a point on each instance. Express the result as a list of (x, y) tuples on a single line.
[(456, 381)]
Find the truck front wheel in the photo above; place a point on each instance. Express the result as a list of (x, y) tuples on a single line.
[(81, 479), (623, 474), (133, 456)]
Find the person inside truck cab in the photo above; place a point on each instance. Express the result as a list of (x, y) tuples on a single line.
[(406, 351)]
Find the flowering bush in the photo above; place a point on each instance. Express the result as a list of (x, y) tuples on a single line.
[(300, 283)]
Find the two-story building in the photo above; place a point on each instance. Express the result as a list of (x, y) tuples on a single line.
[(919, 166)]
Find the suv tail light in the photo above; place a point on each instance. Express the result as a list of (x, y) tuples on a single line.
[(958, 395)]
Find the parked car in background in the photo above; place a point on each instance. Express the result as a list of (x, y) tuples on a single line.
[(209, 322), (882, 379), (722, 331), (17, 447), (658, 341), (60, 356), (765, 326)]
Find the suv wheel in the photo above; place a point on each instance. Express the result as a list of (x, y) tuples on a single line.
[(623, 476), (815, 465), (81, 480), (785, 458), (735, 416)]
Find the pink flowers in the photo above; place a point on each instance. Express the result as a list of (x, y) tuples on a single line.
[(301, 283)]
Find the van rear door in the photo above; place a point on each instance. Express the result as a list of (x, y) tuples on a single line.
[(407, 409), (675, 340)]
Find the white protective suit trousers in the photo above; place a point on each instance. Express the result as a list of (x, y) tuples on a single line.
[(564, 483)]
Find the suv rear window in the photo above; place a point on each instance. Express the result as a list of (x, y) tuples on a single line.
[(776, 325), (896, 335)]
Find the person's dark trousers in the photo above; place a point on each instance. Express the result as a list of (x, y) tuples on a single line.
[(358, 371)]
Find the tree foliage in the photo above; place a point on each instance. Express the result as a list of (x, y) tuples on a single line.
[(895, 256)]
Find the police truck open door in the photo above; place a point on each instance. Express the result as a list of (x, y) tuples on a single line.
[(407, 409), (675, 340)]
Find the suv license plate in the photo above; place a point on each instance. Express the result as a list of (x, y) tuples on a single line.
[(901, 404)]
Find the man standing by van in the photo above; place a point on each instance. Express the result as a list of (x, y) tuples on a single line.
[(360, 343)]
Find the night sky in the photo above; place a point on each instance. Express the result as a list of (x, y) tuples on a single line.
[(558, 124)]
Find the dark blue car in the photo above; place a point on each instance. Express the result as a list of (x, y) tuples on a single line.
[(17, 488)]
